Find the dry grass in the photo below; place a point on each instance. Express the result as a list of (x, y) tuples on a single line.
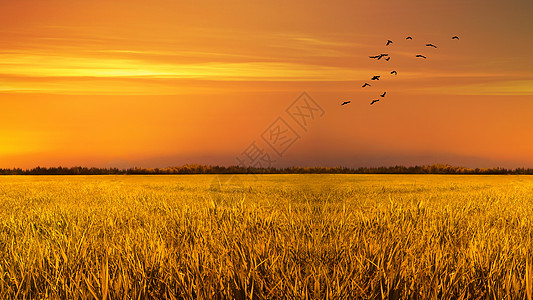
[(271, 237)]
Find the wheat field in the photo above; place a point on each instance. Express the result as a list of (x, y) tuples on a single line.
[(266, 237)]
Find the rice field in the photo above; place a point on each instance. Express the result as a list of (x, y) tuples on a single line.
[(266, 237)]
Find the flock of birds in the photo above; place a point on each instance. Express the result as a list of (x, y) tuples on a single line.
[(393, 72)]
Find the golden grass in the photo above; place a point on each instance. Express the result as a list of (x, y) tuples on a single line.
[(266, 237)]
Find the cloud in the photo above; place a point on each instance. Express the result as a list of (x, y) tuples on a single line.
[(63, 60)]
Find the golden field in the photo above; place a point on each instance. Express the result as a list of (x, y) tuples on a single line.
[(266, 237)]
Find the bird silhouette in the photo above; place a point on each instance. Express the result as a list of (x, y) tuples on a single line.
[(387, 59), (383, 95), (388, 42), (366, 84), (394, 72), (455, 37), (345, 102), (420, 55), (375, 78), (374, 101), (378, 57), (431, 45), (408, 38)]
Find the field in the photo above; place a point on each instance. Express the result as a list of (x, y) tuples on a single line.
[(266, 237)]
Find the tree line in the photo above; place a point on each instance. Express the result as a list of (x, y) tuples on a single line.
[(203, 169)]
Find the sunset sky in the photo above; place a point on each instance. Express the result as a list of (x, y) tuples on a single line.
[(165, 83)]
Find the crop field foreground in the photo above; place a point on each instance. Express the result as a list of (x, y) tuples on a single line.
[(266, 237)]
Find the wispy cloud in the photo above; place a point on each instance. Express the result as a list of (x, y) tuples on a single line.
[(77, 62), (500, 88)]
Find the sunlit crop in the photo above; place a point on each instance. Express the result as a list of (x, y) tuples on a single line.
[(266, 237)]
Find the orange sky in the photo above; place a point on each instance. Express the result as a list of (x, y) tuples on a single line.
[(162, 83)]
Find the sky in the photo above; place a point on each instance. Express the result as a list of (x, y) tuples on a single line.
[(259, 83)]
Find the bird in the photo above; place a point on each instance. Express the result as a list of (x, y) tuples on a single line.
[(378, 57), (345, 102), (431, 45), (455, 37), (394, 72), (366, 84), (387, 59), (374, 101), (388, 42), (383, 95), (408, 38), (420, 55), (375, 78)]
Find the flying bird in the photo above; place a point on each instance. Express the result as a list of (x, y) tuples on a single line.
[(387, 59), (345, 102), (378, 57), (408, 38), (374, 101), (394, 73), (388, 42), (383, 95), (375, 78), (366, 84), (420, 55), (455, 37), (431, 45)]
